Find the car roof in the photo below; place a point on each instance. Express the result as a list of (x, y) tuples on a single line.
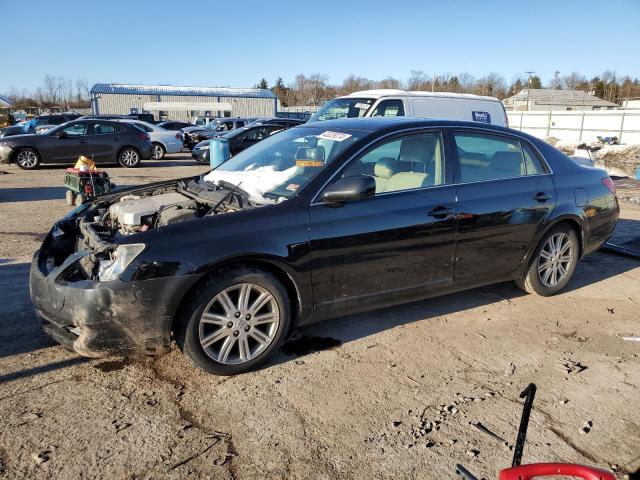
[(384, 92)]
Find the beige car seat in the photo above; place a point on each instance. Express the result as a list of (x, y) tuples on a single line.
[(383, 170), (417, 152)]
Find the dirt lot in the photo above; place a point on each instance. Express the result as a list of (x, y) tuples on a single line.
[(365, 402)]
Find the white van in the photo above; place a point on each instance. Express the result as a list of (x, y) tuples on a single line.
[(397, 103)]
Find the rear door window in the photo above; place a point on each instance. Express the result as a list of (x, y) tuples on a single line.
[(103, 129), (483, 157)]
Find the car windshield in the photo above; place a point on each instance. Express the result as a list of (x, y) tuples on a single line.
[(279, 166), (343, 108)]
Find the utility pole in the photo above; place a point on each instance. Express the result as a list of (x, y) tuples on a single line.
[(553, 85), (528, 87), (433, 82)]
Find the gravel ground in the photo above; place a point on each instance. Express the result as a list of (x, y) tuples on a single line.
[(387, 394)]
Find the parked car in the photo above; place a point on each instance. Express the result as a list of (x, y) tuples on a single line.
[(399, 103), (203, 120), (219, 126), (291, 122), (144, 117), (105, 141), (39, 124), (318, 221), (174, 125), (240, 139), (164, 141)]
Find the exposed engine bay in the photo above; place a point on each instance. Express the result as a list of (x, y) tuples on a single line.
[(158, 208), (101, 227)]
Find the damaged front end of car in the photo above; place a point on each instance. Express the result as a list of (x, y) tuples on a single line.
[(89, 282)]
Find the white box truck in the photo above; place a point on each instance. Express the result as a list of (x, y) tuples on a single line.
[(397, 103)]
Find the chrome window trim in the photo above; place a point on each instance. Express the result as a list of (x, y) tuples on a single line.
[(520, 138), (315, 201), (355, 154)]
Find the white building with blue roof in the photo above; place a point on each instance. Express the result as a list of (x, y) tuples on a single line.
[(182, 103)]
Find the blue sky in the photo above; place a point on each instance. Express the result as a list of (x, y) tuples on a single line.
[(235, 43)]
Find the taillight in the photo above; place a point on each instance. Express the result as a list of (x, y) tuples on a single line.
[(607, 182), (144, 136), (178, 136)]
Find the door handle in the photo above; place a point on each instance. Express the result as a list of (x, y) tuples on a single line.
[(82, 142), (542, 197), (440, 212)]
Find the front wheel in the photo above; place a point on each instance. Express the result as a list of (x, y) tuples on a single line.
[(27, 159), (235, 321), (129, 157), (553, 264), (158, 151)]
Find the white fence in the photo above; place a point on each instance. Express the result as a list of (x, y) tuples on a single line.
[(579, 126)]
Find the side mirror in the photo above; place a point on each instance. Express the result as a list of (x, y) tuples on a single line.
[(350, 189), (61, 134)]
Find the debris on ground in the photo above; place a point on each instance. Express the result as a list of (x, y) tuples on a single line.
[(41, 457), (586, 428), (511, 369), (571, 366)]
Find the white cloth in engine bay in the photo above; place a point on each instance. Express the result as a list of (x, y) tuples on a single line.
[(131, 211)]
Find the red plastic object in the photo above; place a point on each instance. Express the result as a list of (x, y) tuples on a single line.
[(527, 472)]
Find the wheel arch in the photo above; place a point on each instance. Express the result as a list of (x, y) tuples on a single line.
[(574, 221), (16, 150), (267, 264)]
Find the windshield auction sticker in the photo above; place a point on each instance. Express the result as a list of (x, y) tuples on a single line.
[(361, 106), (335, 136)]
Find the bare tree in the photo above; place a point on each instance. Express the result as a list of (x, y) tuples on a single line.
[(389, 82), (573, 80), (492, 84), (467, 82)]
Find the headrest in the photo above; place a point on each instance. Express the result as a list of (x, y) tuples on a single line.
[(507, 161), (385, 168), (417, 149)]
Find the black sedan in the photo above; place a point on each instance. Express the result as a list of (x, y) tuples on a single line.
[(239, 139), (220, 126), (105, 141), (315, 222), (174, 125)]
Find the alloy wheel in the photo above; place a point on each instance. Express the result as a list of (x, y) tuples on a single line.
[(157, 152), (27, 159), (239, 324), (555, 259), (129, 158)]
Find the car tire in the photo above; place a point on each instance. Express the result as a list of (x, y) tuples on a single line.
[(80, 198), (27, 158), (158, 151), (553, 263), (129, 157), (69, 197), (223, 342)]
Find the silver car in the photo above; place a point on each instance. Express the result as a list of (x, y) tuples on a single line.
[(164, 141)]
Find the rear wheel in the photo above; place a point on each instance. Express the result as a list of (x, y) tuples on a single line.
[(158, 151), (129, 157), (553, 264), (70, 197), (80, 198), (235, 321), (27, 159)]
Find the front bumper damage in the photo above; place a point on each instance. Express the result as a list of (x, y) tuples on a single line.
[(104, 318), (5, 154)]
